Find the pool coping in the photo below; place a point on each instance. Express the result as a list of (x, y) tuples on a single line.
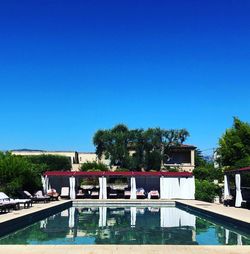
[(123, 249), (21, 218), (53, 207), (233, 220)]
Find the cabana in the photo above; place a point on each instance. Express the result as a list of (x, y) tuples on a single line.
[(171, 185), (238, 194)]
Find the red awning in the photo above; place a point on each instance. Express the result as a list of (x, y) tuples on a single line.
[(125, 174), (240, 170)]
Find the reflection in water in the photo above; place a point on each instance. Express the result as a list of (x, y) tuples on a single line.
[(102, 216), (132, 216), (125, 225), (72, 217)]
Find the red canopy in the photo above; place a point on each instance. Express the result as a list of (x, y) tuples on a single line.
[(240, 170), (117, 173)]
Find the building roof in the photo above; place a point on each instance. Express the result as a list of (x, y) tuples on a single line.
[(42, 151), (117, 173)]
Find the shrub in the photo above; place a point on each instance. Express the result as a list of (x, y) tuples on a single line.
[(17, 173), (93, 166), (205, 190), (48, 162)]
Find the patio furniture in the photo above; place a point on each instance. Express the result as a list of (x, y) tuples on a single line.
[(25, 202), (229, 200), (3, 208), (83, 194), (140, 193), (112, 193), (64, 192), (127, 193), (95, 193), (153, 194), (39, 194), (52, 193), (35, 198)]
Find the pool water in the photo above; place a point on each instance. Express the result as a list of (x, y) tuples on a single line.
[(127, 225)]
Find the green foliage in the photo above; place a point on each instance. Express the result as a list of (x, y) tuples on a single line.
[(47, 162), (93, 166), (150, 146), (199, 159), (17, 173), (205, 190), (234, 145), (208, 173)]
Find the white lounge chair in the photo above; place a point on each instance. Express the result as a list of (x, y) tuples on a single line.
[(8, 202), (64, 192)]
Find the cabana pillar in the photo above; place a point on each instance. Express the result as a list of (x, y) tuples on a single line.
[(133, 188), (72, 184), (103, 187), (226, 187), (238, 199)]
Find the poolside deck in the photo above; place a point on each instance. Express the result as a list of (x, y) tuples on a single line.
[(239, 214), (123, 249), (37, 207)]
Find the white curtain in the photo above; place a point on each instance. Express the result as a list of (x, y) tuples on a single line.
[(102, 216), (43, 183), (132, 216), (238, 199), (226, 187), (72, 183), (102, 188), (46, 184), (187, 187), (169, 187), (72, 217), (133, 188)]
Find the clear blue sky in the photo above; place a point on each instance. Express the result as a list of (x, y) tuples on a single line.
[(68, 68)]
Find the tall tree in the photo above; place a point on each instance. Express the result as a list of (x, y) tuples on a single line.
[(137, 148), (234, 145)]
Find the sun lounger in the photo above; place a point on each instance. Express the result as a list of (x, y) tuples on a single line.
[(83, 194), (52, 193), (64, 192), (3, 208), (153, 194), (127, 193), (10, 204), (36, 198), (140, 193), (94, 193), (112, 193), (25, 202)]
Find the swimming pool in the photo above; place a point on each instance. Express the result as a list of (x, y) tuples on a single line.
[(128, 225)]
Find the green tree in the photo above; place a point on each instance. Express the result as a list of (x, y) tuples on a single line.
[(137, 149), (206, 190), (17, 173), (234, 145), (48, 162), (93, 165)]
